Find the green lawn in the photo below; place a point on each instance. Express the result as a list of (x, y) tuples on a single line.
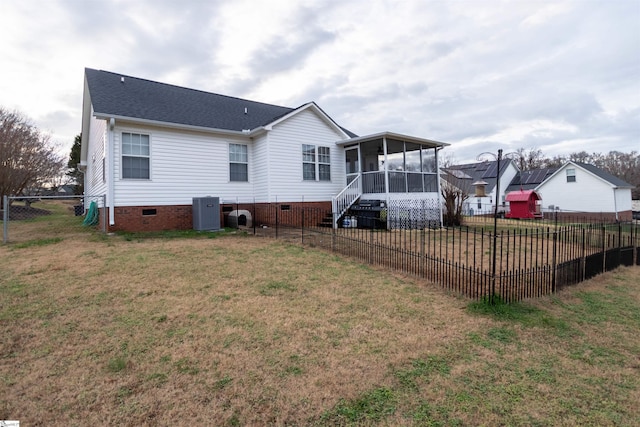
[(226, 329)]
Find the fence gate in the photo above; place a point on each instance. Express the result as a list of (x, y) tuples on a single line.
[(27, 218)]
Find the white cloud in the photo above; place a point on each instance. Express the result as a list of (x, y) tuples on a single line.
[(559, 75)]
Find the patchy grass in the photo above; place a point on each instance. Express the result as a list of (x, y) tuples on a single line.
[(38, 242), (235, 330)]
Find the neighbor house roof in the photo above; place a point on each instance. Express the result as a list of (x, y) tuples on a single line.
[(613, 180), (528, 180), (120, 96), (463, 176)]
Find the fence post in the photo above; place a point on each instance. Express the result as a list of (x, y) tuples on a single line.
[(5, 218), (635, 242), (493, 264), (604, 248), (619, 234), (583, 264), (333, 238), (371, 246), (302, 231), (553, 262)]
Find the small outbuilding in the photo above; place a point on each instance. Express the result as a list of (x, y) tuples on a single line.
[(524, 204)]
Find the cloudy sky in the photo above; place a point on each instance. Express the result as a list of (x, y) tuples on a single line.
[(562, 76)]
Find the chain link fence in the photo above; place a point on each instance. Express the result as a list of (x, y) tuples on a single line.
[(30, 218)]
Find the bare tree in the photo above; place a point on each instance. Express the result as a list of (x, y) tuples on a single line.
[(455, 191), (529, 158), (625, 166), (554, 162), (27, 157)]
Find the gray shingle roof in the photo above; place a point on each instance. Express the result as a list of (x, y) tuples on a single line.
[(125, 96), (605, 175), (529, 180), (483, 171)]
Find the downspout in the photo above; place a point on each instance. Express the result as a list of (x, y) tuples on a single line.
[(615, 203), (438, 185), (267, 142), (110, 168)]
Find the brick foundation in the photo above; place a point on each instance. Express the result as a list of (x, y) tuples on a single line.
[(152, 218), (590, 216), (180, 217)]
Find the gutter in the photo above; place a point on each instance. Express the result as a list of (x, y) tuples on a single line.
[(158, 123)]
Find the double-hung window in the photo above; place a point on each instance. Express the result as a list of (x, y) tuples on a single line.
[(316, 163), (324, 164), (571, 175), (135, 156), (238, 163)]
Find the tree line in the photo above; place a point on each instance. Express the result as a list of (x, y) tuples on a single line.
[(28, 158)]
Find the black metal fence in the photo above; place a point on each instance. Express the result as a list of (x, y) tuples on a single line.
[(532, 259)]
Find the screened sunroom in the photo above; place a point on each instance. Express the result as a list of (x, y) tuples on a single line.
[(391, 168)]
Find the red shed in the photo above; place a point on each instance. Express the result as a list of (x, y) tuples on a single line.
[(523, 204)]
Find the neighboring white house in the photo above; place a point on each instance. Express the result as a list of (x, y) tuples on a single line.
[(153, 147), (583, 188), (468, 177), (573, 188)]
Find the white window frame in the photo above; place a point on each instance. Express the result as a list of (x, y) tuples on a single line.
[(138, 155), (324, 164), (319, 157), (571, 175), (234, 160)]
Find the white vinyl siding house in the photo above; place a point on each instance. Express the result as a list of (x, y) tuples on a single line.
[(575, 188), (158, 156), (199, 168), (260, 167), (176, 176), (286, 171), (95, 174)]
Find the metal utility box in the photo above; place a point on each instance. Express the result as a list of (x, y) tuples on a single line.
[(206, 213)]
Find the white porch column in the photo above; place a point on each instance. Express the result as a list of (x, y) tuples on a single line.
[(386, 178), (437, 149)]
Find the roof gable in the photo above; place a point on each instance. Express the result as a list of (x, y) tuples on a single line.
[(611, 179), (312, 106), (592, 170)]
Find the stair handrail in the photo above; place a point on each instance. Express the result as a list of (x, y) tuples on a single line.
[(341, 202)]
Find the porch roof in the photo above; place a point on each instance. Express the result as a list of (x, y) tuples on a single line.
[(392, 135)]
